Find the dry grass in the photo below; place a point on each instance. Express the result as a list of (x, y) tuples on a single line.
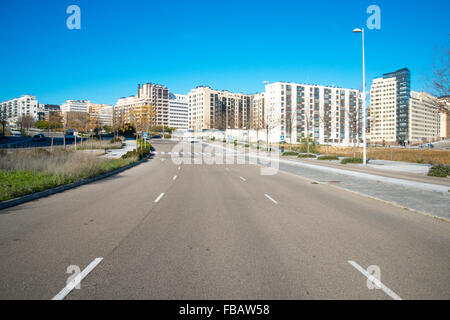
[(398, 154), (97, 145), (26, 171)]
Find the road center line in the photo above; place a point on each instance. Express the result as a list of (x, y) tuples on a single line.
[(375, 281), (159, 197), (242, 178), (270, 198), (175, 178), (72, 284)]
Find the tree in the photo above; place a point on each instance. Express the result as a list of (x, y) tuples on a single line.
[(354, 127), (291, 122), (271, 121), (438, 82), (54, 122), (25, 122), (3, 119), (143, 118)]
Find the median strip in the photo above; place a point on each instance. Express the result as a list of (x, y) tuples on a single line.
[(76, 281)]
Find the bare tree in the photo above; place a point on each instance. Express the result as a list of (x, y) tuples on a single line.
[(25, 122), (438, 82), (271, 121), (3, 119), (291, 122), (354, 127)]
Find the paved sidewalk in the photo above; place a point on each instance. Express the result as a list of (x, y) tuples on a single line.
[(129, 145)]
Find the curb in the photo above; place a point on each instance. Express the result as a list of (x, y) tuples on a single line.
[(46, 193)]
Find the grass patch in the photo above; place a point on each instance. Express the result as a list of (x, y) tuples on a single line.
[(289, 153), (439, 170), (24, 172), (351, 160), (307, 155), (99, 144), (327, 158)]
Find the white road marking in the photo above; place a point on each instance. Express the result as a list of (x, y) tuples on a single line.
[(227, 169), (179, 168), (72, 284), (175, 178), (242, 178), (162, 152), (159, 197), (375, 281), (270, 198), (163, 159)]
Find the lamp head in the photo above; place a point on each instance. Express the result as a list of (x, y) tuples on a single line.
[(357, 30)]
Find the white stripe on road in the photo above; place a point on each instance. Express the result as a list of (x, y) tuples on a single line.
[(175, 178), (162, 152), (76, 281), (159, 197), (375, 281), (242, 178), (179, 168), (270, 198)]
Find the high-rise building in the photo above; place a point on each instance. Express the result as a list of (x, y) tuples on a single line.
[(179, 111), (212, 109), (44, 109), (102, 112), (444, 117), (389, 107), (149, 94), (13, 109), (424, 120), (257, 111), (294, 111)]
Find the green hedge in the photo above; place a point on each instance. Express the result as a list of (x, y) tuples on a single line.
[(289, 153), (307, 155), (351, 160), (439, 170), (327, 158)]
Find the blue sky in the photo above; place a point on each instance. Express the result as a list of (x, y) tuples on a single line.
[(233, 45)]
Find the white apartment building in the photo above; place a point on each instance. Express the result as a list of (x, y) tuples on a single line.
[(148, 94), (325, 114), (179, 111), (75, 106), (424, 118), (212, 109), (13, 109), (383, 110)]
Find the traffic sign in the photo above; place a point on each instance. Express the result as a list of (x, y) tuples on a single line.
[(282, 138), (145, 135)]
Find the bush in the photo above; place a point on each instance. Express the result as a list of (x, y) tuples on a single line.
[(235, 143), (351, 160), (213, 139), (327, 158), (289, 153), (439, 170), (304, 146), (307, 155), (116, 139), (247, 145)]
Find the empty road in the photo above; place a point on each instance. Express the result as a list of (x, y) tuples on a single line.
[(198, 231)]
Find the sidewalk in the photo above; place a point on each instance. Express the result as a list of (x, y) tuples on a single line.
[(129, 145)]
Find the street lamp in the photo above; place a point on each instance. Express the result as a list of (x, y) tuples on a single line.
[(357, 30)]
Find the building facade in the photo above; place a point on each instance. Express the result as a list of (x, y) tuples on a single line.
[(295, 111), (179, 111), (444, 114), (424, 120), (44, 109), (257, 111), (13, 109), (148, 94), (389, 107), (102, 112), (213, 109)]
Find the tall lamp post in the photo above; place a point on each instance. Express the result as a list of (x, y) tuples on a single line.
[(357, 30)]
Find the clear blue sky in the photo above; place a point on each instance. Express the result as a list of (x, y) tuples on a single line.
[(233, 45)]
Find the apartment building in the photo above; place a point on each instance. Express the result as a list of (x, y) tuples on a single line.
[(179, 111), (257, 111), (389, 107), (102, 112), (444, 114), (293, 111), (13, 109), (44, 109), (424, 118), (148, 94), (213, 109)]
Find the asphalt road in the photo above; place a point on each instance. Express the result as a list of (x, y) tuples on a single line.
[(198, 231)]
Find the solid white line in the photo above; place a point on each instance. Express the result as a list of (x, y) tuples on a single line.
[(72, 284), (162, 152), (179, 168), (270, 198), (375, 281), (243, 179), (175, 178), (159, 197)]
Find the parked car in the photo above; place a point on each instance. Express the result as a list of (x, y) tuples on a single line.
[(70, 135), (38, 137)]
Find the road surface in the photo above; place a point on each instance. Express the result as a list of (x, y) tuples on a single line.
[(168, 231)]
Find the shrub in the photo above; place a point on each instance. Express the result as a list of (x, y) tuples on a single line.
[(289, 153), (213, 139), (116, 139), (235, 142), (304, 146), (327, 158), (224, 141), (351, 160), (439, 170), (307, 155), (247, 145)]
